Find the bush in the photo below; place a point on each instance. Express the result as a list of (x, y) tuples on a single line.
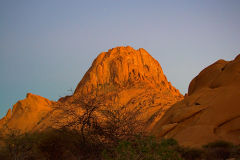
[(52, 144), (191, 153), (219, 144), (57, 144), (219, 150), (20, 146), (144, 148), (68, 144)]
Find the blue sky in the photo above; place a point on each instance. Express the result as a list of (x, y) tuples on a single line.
[(46, 46)]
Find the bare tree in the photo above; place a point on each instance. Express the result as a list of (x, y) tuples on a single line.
[(106, 123)]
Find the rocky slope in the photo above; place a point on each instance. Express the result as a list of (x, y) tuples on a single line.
[(210, 111), (122, 79), (26, 114)]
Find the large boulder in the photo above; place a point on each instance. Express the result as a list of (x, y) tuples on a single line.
[(210, 111)]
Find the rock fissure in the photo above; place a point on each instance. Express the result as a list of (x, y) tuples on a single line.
[(224, 123)]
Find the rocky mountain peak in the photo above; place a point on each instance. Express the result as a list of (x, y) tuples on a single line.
[(122, 79), (122, 67)]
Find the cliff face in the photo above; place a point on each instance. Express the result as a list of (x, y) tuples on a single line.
[(121, 79), (210, 112)]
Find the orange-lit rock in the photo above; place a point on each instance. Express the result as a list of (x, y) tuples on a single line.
[(127, 78), (210, 112), (26, 113), (122, 67), (121, 79)]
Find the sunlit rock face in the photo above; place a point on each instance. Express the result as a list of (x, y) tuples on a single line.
[(121, 79), (125, 78), (210, 112), (122, 67), (26, 113)]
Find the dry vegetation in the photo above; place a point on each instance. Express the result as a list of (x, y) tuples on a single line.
[(118, 137)]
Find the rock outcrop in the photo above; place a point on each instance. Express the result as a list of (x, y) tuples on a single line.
[(26, 113), (127, 79), (122, 67), (210, 111), (122, 79)]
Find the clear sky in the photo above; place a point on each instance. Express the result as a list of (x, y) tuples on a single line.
[(46, 46)]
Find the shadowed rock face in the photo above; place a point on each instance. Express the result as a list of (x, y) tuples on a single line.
[(121, 79), (210, 112)]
